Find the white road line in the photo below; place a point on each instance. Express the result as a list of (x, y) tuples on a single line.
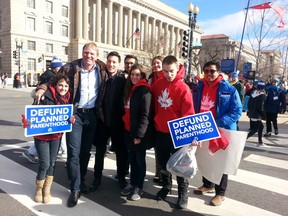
[(20, 184), (267, 161), (5, 147), (199, 204)]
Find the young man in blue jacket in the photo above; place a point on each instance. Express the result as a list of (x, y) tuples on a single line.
[(215, 94)]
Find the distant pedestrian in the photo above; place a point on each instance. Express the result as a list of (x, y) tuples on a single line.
[(257, 112)]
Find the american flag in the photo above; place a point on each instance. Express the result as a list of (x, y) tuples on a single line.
[(161, 41), (179, 46), (137, 33)]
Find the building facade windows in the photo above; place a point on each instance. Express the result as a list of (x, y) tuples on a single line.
[(31, 64), (49, 48), (64, 30), (31, 4), (64, 11), (30, 24), (49, 7), (49, 27), (31, 45), (65, 50)]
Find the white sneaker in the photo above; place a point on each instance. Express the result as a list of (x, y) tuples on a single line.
[(31, 158), (137, 194)]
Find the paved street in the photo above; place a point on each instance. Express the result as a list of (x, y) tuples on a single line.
[(259, 188)]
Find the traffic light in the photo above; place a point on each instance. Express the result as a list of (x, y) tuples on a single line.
[(15, 54), (185, 47)]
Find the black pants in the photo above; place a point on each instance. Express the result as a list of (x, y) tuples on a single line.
[(117, 135), (271, 117), (257, 126), (164, 149), (221, 188)]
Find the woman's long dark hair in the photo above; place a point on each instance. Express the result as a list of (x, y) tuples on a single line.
[(58, 77), (129, 84)]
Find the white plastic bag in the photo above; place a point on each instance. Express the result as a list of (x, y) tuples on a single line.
[(183, 162)]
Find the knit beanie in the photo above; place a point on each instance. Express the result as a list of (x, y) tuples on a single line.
[(260, 85), (55, 62)]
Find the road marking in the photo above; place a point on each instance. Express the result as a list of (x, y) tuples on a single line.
[(20, 185), (5, 147), (267, 161)]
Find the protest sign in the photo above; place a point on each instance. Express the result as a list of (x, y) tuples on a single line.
[(200, 126), (46, 119)]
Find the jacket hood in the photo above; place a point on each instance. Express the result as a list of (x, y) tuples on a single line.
[(257, 93)]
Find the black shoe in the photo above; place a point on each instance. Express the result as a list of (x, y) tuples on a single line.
[(95, 185), (182, 202), (122, 183), (73, 199), (276, 131), (161, 195), (84, 189), (268, 134)]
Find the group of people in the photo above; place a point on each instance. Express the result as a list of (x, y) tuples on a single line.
[(265, 102), (4, 77), (132, 110)]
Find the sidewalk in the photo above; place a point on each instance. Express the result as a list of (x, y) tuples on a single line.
[(24, 89)]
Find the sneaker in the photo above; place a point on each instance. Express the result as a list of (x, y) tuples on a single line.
[(276, 131), (31, 158), (203, 190), (182, 202), (137, 194), (127, 190), (268, 134), (217, 200)]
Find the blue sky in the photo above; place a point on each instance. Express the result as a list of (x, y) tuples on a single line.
[(222, 16)]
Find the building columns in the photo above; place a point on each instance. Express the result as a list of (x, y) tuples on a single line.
[(98, 20), (110, 30), (120, 26)]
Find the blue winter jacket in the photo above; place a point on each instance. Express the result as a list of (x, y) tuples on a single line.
[(228, 104)]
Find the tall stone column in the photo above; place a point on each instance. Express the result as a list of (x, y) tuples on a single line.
[(98, 20), (138, 41), (167, 37), (153, 32), (129, 38), (160, 38), (85, 19), (110, 30), (78, 26), (172, 38), (146, 33), (120, 26), (176, 53)]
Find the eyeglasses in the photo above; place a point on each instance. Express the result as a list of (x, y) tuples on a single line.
[(212, 71)]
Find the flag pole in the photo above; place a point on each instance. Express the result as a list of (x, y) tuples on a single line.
[(243, 31)]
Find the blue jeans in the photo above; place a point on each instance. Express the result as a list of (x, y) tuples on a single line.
[(47, 154), (79, 142)]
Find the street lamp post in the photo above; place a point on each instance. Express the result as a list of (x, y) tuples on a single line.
[(193, 12), (19, 47)]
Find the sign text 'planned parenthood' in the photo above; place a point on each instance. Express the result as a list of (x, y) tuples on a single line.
[(45, 119), (200, 126)]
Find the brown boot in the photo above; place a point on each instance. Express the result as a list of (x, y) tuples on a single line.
[(38, 194), (47, 188)]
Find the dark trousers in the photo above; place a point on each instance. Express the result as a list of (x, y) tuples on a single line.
[(79, 142), (118, 141), (257, 127), (137, 161), (164, 149), (47, 154), (271, 117), (221, 188)]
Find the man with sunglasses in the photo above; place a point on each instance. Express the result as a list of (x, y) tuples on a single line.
[(215, 94)]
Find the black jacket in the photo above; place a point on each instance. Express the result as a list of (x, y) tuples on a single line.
[(141, 119), (256, 105)]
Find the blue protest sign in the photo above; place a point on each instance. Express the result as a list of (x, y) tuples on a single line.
[(201, 126), (46, 119), (227, 65)]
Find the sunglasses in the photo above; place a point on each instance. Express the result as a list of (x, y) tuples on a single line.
[(211, 71)]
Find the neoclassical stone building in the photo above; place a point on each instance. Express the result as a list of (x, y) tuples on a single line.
[(45, 28)]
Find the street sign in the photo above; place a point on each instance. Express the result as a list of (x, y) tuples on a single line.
[(200, 126), (246, 68), (227, 65), (46, 119)]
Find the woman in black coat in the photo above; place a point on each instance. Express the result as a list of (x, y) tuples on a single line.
[(138, 128)]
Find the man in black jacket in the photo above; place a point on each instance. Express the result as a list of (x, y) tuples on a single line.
[(112, 126)]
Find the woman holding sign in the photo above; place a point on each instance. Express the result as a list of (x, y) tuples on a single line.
[(138, 128), (47, 146)]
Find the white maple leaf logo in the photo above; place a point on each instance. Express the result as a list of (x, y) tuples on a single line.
[(164, 99), (127, 104), (206, 103)]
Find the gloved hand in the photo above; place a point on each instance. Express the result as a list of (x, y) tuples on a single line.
[(72, 119), (25, 122)]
